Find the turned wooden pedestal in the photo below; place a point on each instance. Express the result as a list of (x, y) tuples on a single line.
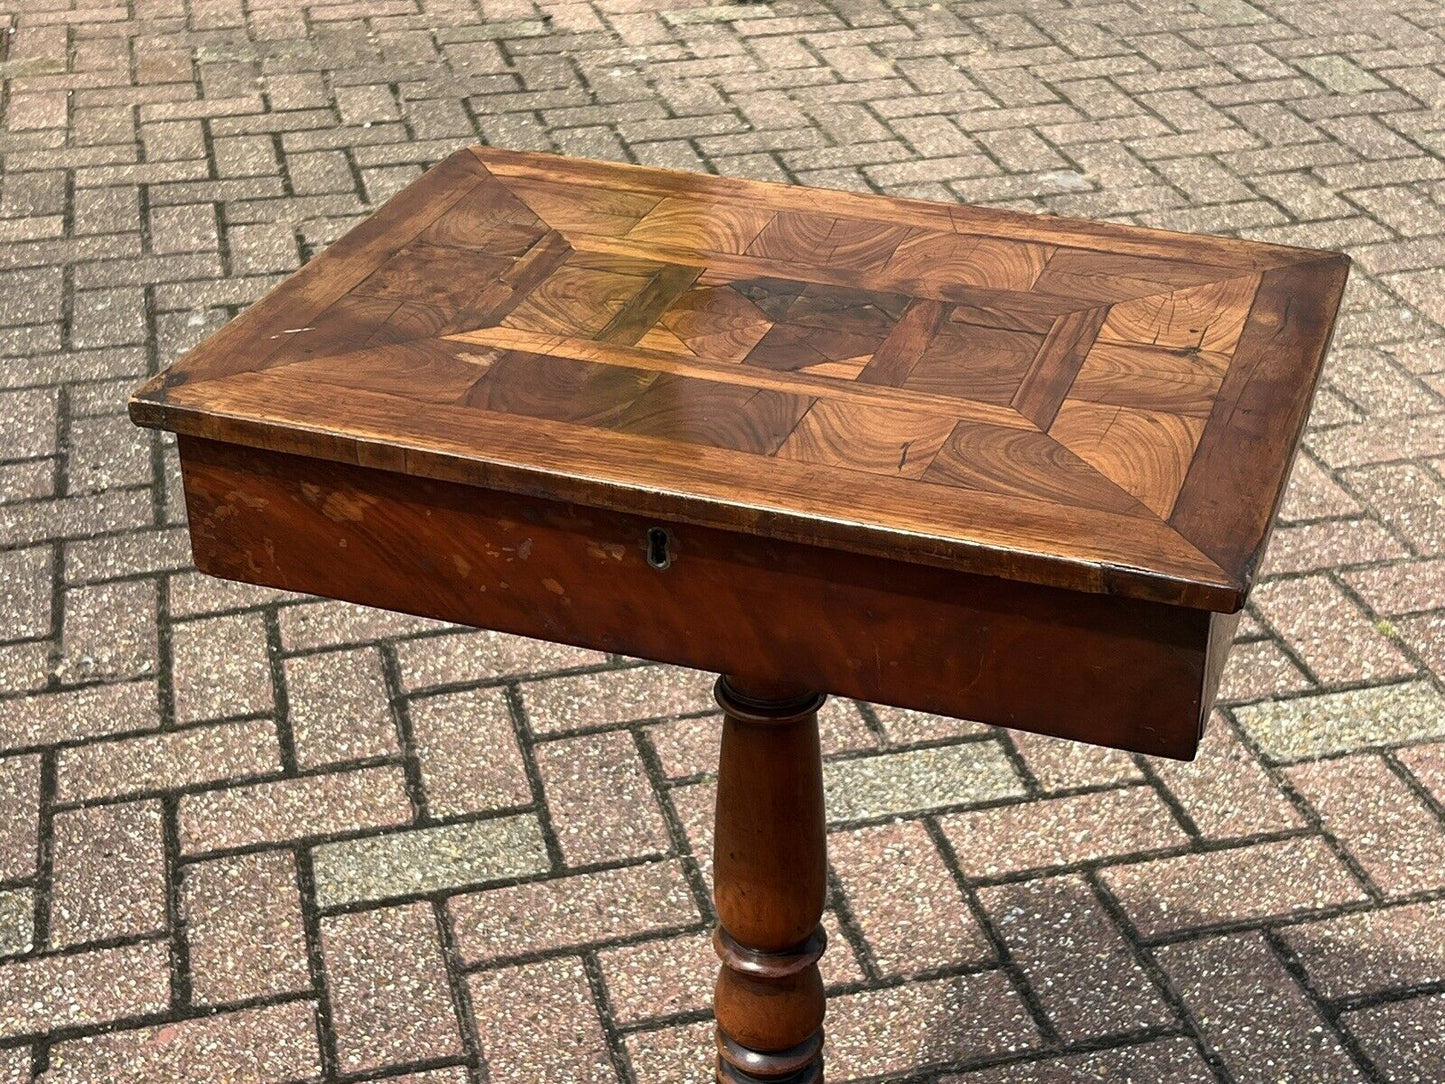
[(1018, 470), (770, 877)]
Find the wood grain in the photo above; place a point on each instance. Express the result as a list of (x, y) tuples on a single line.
[(761, 356)]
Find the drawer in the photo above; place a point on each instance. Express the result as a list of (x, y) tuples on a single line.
[(1122, 672)]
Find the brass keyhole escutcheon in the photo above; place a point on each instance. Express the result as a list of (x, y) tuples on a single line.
[(659, 548)]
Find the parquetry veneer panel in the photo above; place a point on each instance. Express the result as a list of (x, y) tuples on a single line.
[(1078, 406)]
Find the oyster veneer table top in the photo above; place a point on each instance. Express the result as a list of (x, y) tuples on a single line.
[(1016, 469)]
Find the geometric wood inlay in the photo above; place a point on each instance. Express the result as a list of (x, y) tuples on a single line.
[(1087, 405)]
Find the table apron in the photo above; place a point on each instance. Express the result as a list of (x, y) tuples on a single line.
[(1120, 672)]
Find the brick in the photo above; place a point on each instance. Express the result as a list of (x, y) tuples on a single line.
[(1402, 588), (1411, 500), (468, 752), (483, 655), (1163, 1061), (339, 708), (17, 922), (601, 800), (584, 909), (47, 993), (337, 624), (1194, 891), (183, 228), (1058, 764), (109, 878), (893, 783), (1378, 819), (1405, 1040), (689, 746), (169, 760), (424, 860), (888, 1032), (1061, 831), (1258, 670), (244, 928), (290, 809), (539, 1022), (109, 631), (1336, 640), (387, 988), (25, 581), (1387, 949), (904, 901), (606, 699), (274, 1042), (1225, 791), (1252, 1013), (904, 727), (221, 667), (1337, 722), (19, 816)]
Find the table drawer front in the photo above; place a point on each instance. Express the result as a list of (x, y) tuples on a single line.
[(1113, 671)]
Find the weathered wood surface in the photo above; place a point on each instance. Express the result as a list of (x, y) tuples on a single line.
[(1084, 406)]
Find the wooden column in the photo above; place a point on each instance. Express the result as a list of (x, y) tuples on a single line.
[(770, 866)]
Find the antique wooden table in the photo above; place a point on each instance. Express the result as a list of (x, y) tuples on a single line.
[(1018, 469)]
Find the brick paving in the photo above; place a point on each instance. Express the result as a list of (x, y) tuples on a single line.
[(247, 837)]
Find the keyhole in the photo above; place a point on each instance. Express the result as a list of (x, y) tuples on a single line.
[(659, 548)]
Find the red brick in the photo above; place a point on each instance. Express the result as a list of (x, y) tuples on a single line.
[(1060, 831), (1407, 587), (468, 752), (168, 760), (1336, 640), (1252, 1013), (588, 908), (903, 727), (689, 746), (1427, 764), (612, 697), (244, 928), (220, 667), (601, 800), (387, 987), (896, 1030), (1405, 1039), (1410, 500), (1163, 1061), (249, 1046), (1076, 960), (1390, 948), (1260, 669), (484, 655), (679, 1055), (91, 712), (904, 900), (47, 993), (539, 1022), (289, 809), (15, 1065), (1197, 890), (1225, 791), (1313, 546), (109, 876), (1395, 837), (19, 816), (339, 708), (1058, 764), (334, 624)]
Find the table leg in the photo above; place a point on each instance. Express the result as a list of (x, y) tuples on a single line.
[(770, 871)]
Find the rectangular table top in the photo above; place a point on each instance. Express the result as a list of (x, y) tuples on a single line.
[(1082, 405)]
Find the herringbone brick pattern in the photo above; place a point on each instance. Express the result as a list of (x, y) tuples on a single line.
[(248, 837)]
